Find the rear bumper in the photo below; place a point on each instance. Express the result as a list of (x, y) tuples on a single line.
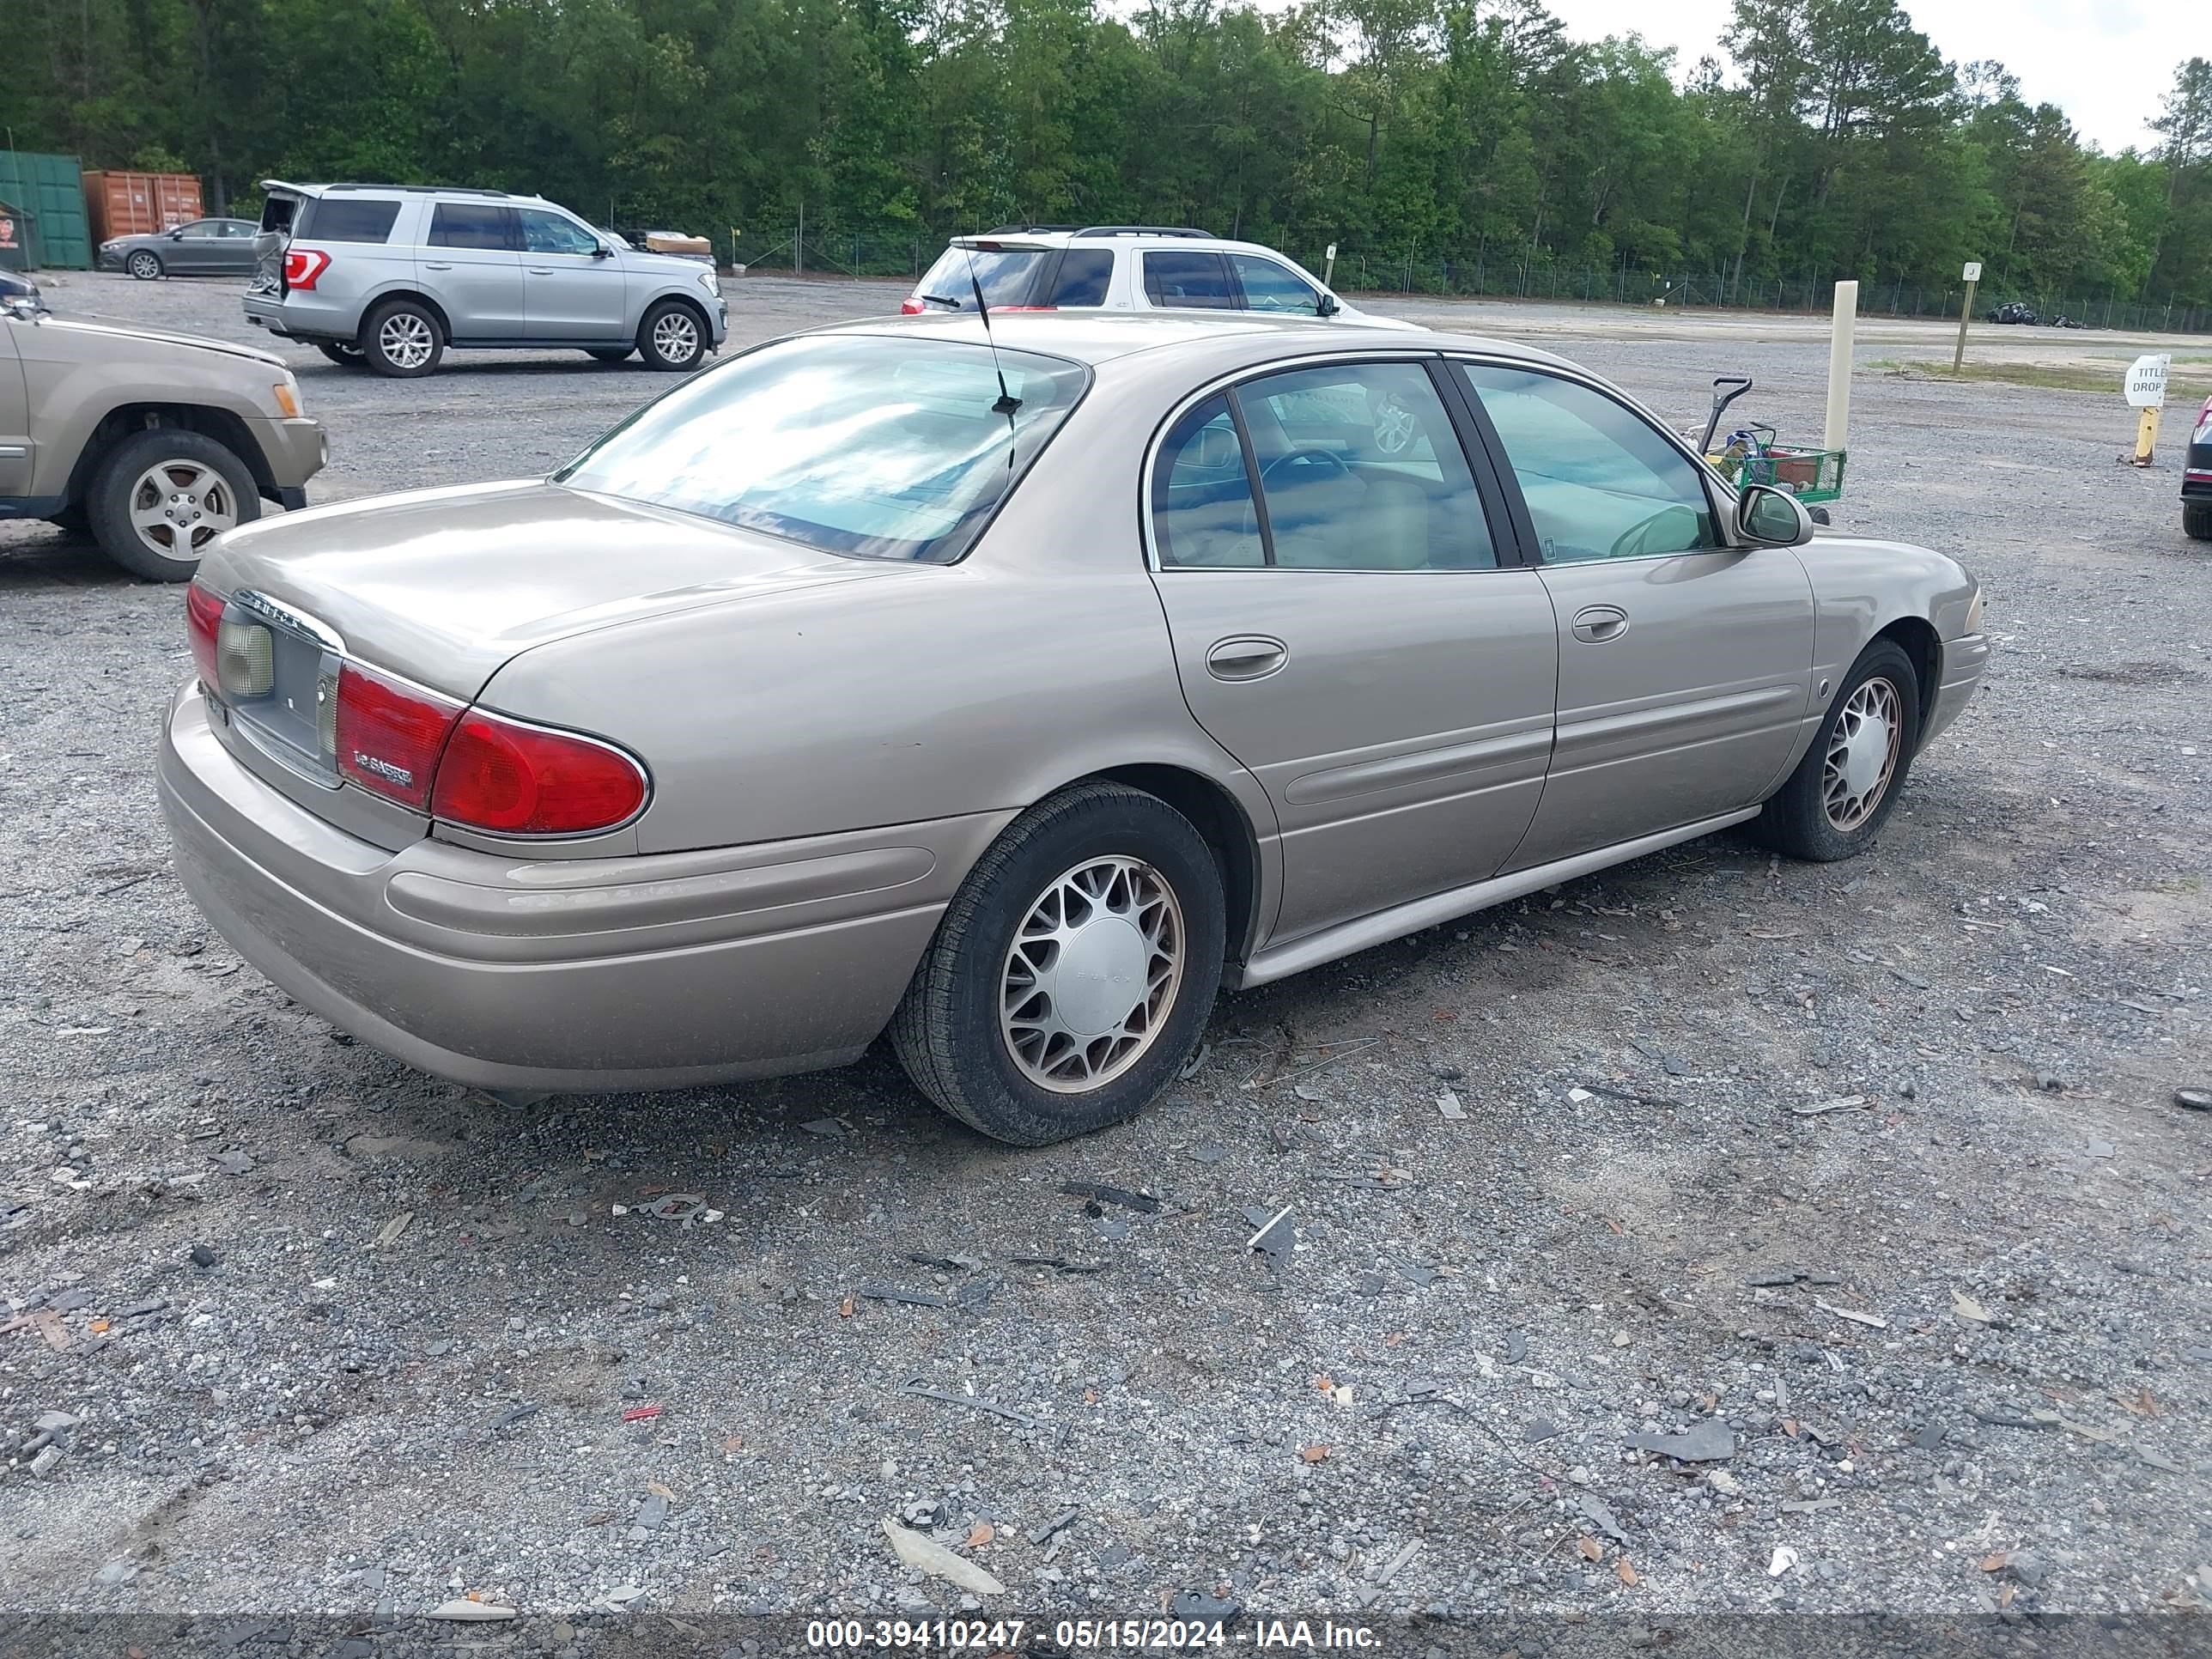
[(1964, 660), (303, 315), (576, 974)]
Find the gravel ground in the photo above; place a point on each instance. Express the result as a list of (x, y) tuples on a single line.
[(1820, 1238)]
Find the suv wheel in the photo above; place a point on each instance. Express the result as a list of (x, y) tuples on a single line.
[(145, 266), (159, 497), (609, 353), (344, 354), (402, 339), (670, 337)]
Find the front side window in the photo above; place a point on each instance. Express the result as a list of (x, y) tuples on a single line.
[(1360, 469), (1601, 481), (550, 233), (1202, 512), (341, 219), (1193, 281), (464, 224), (1085, 273), (872, 446), (1271, 287), (198, 228)]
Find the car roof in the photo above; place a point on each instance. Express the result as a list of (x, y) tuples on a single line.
[(1040, 238), (405, 190), (1230, 339)]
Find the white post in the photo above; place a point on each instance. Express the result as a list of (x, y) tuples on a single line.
[(1839, 367)]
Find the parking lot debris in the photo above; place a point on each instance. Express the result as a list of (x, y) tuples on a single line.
[(916, 1390), (1059, 1523), (1773, 1278), (121, 1570), (204, 1257), (676, 1207), (1724, 1483), (1209, 1152), (1928, 1436), (1396, 1564), (1277, 1236), (2194, 1100), (1192, 1066), (1873, 1321), (388, 1235), (1785, 1559), (1821, 1107), (828, 1127), (949, 1264), (1600, 1516), (1448, 1104), (652, 1515), (923, 1514), (462, 1610), (1516, 1347), (642, 1413), (1197, 1607), (1810, 1506), (1540, 1429), (2158, 1460), (46, 1463), (1708, 1440), (56, 1422), (876, 1290), (232, 1163), (1142, 1203), (1059, 1264), (513, 1414), (919, 1550), (1968, 1309)]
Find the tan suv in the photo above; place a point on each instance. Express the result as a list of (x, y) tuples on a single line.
[(156, 442)]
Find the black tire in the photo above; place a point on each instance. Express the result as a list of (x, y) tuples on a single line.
[(2196, 521), (345, 355), (947, 1032), (661, 336), (146, 265), (406, 319), (609, 353), (1797, 820), (108, 502)]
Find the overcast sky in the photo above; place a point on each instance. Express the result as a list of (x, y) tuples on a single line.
[(2105, 62)]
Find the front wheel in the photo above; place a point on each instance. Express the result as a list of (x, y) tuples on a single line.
[(144, 265), (1849, 779), (2196, 521), (671, 337), (1072, 974), (159, 497)]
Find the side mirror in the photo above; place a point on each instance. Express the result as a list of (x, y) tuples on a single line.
[(1326, 305), (1772, 518), (601, 250), (177, 234)]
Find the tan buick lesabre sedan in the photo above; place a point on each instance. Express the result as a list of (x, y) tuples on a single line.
[(1012, 701)]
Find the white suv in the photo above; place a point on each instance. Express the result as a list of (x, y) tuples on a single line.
[(1123, 268)]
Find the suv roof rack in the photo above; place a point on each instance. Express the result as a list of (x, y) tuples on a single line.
[(1143, 230), (433, 190), (1027, 230)]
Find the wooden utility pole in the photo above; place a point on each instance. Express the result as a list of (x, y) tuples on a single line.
[(1966, 311)]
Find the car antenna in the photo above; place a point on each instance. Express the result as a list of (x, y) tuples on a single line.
[(1007, 403)]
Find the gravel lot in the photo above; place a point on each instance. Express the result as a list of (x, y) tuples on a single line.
[(333, 1338)]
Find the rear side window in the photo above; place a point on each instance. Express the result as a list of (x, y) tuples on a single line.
[(1008, 276), (1198, 281), (1202, 510), (1085, 273), (345, 219), (464, 224)]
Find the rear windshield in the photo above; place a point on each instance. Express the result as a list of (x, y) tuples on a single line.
[(1008, 276), (345, 219), (876, 447)]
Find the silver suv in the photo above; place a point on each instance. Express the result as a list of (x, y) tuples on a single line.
[(392, 275)]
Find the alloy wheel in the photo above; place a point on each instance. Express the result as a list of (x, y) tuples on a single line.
[(406, 339), (1091, 975), (145, 267), (1862, 751), (179, 506), (676, 338)]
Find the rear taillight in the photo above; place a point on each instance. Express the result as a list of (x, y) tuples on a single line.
[(509, 779), (388, 735), (203, 618), (304, 267), (911, 306)]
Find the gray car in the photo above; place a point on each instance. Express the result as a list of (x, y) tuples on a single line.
[(205, 247), (1013, 697), (392, 275)]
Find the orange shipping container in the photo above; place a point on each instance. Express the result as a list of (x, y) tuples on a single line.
[(139, 204)]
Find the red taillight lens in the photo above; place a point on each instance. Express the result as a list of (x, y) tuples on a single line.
[(515, 780), (304, 267), (389, 735), (911, 306), (203, 616)]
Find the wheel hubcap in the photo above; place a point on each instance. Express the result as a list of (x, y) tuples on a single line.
[(1092, 975), (179, 506), (676, 338), (144, 264), (1861, 754), (406, 340)]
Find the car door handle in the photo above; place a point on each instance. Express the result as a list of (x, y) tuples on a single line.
[(1247, 657), (541, 271), (1595, 624), (436, 264)]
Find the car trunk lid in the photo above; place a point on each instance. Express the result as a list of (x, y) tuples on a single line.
[(279, 212)]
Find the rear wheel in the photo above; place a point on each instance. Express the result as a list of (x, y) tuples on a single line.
[(159, 497), (2196, 519), (609, 353), (145, 266), (403, 339), (1849, 779), (345, 354), (1072, 974), (671, 337)]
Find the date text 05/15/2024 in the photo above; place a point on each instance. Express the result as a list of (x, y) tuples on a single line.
[(996, 1635)]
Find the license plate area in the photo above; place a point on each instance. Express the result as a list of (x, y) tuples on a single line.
[(280, 677)]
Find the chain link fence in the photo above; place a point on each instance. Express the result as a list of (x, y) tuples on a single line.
[(906, 253)]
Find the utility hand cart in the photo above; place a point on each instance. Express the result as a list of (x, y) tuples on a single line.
[(1751, 454)]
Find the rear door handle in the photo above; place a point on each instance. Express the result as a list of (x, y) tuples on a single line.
[(1246, 657), (541, 271), (1595, 624), (436, 264)]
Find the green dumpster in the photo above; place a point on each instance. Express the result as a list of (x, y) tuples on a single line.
[(47, 192)]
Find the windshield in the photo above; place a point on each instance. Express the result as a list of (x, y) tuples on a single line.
[(872, 446)]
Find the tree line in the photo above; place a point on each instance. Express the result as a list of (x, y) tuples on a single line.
[(1819, 139)]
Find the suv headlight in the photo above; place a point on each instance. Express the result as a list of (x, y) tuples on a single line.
[(711, 280)]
